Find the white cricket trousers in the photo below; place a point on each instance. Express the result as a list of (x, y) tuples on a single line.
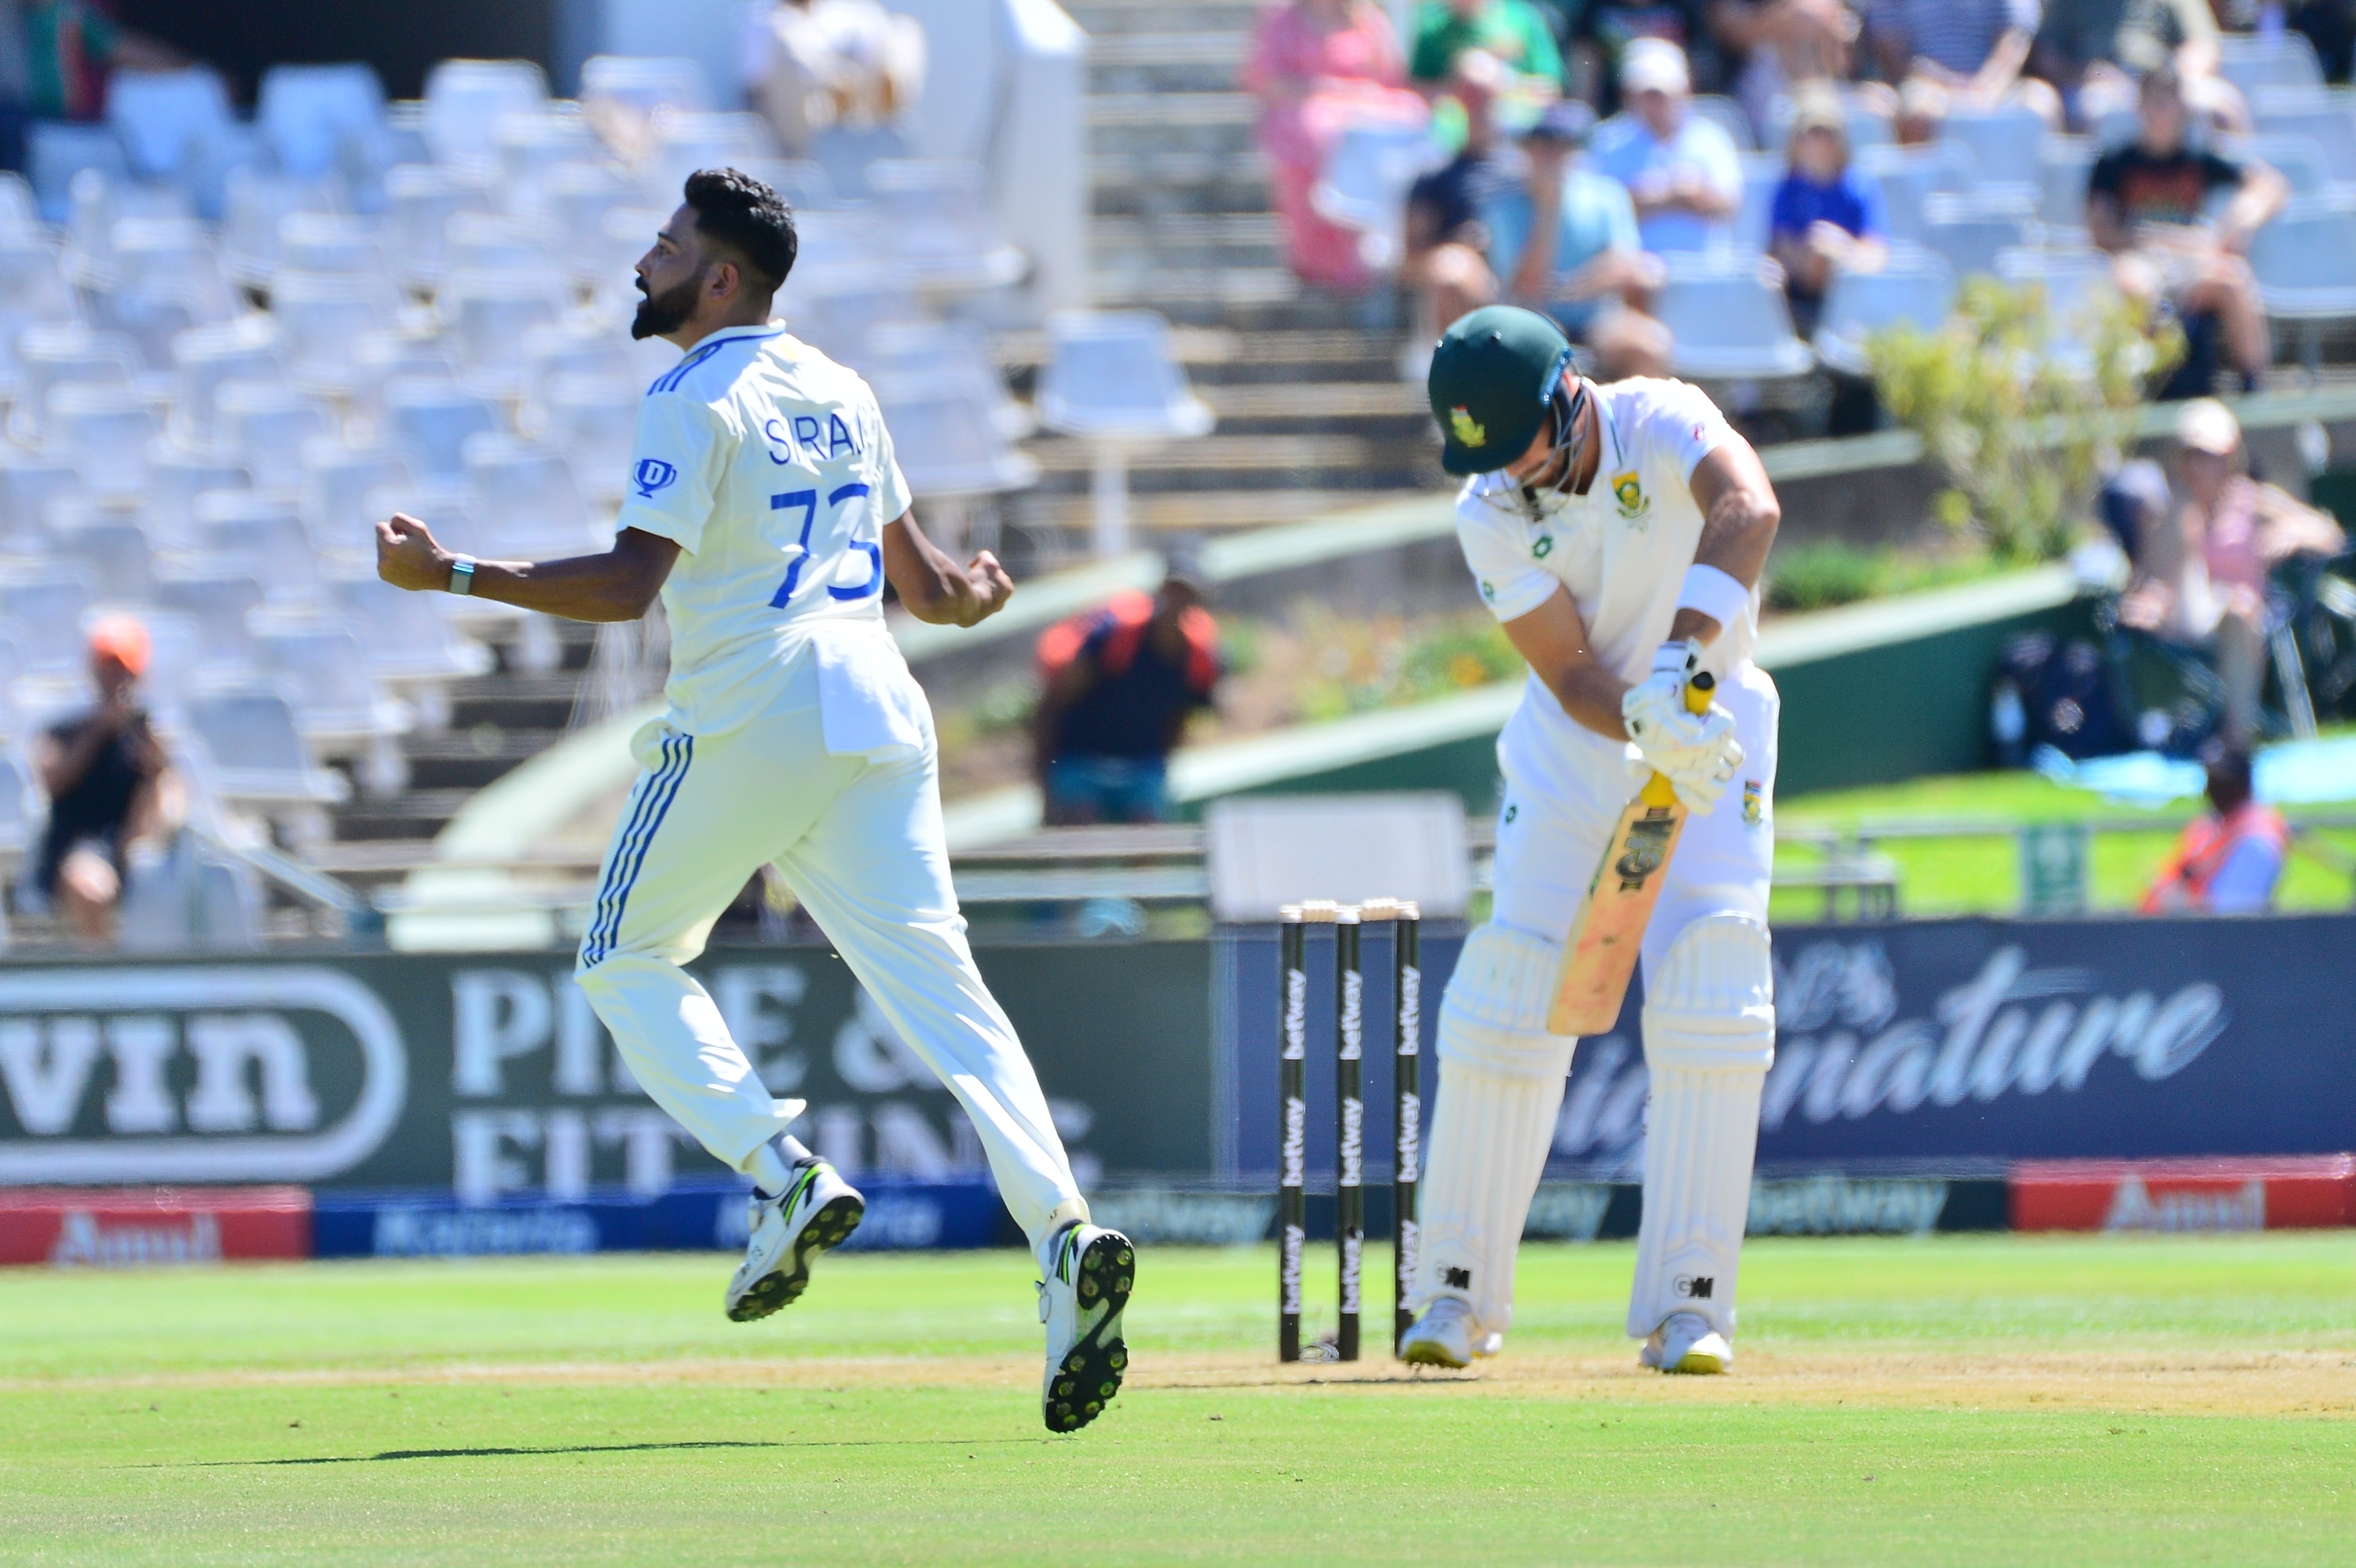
[(860, 843)]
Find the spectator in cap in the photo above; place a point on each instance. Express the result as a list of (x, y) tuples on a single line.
[(2199, 574), (108, 784), (1565, 242), (2228, 861), (1316, 67), (1826, 217), (1681, 171), (1446, 254), (1119, 685)]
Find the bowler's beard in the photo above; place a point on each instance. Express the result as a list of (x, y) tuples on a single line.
[(666, 312)]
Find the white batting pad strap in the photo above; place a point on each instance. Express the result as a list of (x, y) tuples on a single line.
[(1713, 1002), (1489, 1137), (1504, 978), (1709, 1035)]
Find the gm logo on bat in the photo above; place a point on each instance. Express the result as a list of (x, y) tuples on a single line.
[(652, 475)]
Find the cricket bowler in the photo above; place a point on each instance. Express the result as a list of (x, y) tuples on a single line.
[(766, 509), (1618, 532)]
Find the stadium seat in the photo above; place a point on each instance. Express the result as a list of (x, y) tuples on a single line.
[(805, 185), (948, 439), (21, 815), (2326, 118), (2076, 284), (408, 645), (531, 143), (338, 480), (176, 477), (56, 151), (419, 200), (28, 484), (253, 534), (1364, 183), (571, 202), (1728, 116), (2303, 264), (253, 753), (524, 499), (937, 221), (175, 253), (1762, 174), (317, 118), (245, 349), (2259, 65), (48, 356), (329, 242), (32, 288), (2067, 161), (217, 599), (108, 549), (1969, 232), (104, 431), (1867, 126), (488, 315), (338, 709), (43, 610), (2297, 159), (1727, 323), (169, 120), (1908, 176), (264, 424), (464, 99), (593, 418), (684, 142), (321, 318), (1113, 380), (955, 349), (430, 420), (643, 85)]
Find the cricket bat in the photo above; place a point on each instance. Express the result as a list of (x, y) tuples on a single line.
[(1609, 931)]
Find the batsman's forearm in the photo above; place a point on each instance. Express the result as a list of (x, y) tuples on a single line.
[(1590, 695)]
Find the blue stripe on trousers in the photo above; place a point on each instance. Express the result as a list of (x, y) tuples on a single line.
[(664, 790), (649, 786)]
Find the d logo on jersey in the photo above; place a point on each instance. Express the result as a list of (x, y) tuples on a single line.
[(652, 475)]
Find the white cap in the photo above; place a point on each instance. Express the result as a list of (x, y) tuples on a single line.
[(2204, 424), (1654, 65)]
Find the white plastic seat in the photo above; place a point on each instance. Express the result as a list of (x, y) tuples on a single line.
[(571, 201), (1914, 288), (489, 316), (429, 422), (806, 186), (176, 477), (2305, 261), (643, 85), (217, 599), (338, 483), (685, 142), (1727, 323), (1867, 126), (1365, 183), (178, 252), (44, 611), (2076, 284), (1969, 233), (244, 349), (29, 484), (255, 206), (841, 250), (56, 151), (525, 500), (593, 418), (572, 348), (2260, 65), (1908, 178), (316, 118), (955, 349), (2006, 141), (419, 200), (948, 439), (2326, 117), (406, 641), (264, 425), (1754, 221), (494, 242), (464, 99), (609, 263), (32, 288), (110, 550), (104, 431), (338, 708), (2297, 159), (55, 356), (254, 533), (332, 242), (256, 753), (322, 316), (168, 119), (2067, 162), (531, 143), (18, 212), (1728, 116), (1113, 379)]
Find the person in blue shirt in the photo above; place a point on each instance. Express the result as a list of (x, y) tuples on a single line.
[(1563, 242), (1681, 171), (1827, 217)]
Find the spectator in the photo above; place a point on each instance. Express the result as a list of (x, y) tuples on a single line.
[(2199, 574), (1681, 171), (108, 784), (1512, 30), (2092, 51), (1959, 54), (824, 64), (1121, 684), (71, 50), (2146, 204), (1564, 239), (1778, 46), (1606, 28), (2228, 861), (1317, 66), (1447, 243), (1827, 217)]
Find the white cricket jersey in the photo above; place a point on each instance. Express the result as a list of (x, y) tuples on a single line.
[(769, 465), (1621, 550)]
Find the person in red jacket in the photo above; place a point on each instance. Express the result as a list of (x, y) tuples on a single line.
[(2228, 861), (1119, 684)]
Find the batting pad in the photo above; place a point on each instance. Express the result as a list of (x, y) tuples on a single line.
[(1709, 1038), (1501, 1086)]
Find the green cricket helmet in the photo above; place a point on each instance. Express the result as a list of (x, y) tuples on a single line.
[(1492, 375)]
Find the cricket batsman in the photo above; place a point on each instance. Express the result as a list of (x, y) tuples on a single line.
[(766, 509), (1618, 532)]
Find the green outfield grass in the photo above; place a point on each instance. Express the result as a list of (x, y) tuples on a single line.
[(1959, 1401), (1977, 875)]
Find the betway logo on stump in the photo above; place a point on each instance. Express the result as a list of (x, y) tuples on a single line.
[(220, 1073)]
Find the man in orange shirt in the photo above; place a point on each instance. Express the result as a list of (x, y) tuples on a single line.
[(2228, 861)]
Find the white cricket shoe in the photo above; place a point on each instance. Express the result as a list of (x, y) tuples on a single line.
[(1686, 1343), (1446, 1336), (819, 1211), (1091, 1272)]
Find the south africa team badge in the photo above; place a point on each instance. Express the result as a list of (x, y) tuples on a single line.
[(1754, 804), (1628, 489)]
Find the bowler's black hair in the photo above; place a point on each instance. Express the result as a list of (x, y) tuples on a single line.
[(750, 219)]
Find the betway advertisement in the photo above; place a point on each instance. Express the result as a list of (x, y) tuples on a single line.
[(1947, 1047), (488, 1076)]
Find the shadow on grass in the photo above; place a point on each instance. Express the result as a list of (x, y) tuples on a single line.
[(394, 1454)]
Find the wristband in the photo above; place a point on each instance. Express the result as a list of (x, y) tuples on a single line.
[(462, 575), (1715, 593)]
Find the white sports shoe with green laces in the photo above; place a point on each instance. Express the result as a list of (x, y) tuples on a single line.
[(1089, 1272), (819, 1211)]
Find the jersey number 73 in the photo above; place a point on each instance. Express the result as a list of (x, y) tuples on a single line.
[(806, 501)]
